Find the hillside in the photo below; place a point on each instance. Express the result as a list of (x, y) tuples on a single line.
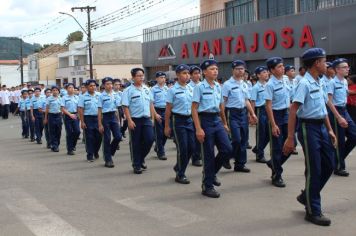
[(10, 48)]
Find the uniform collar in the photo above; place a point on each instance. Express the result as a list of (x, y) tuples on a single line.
[(177, 85), (260, 84), (233, 80), (161, 88), (206, 84), (310, 78), (337, 80), (275, 80)]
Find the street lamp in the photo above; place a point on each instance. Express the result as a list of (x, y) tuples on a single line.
[(88, 34)]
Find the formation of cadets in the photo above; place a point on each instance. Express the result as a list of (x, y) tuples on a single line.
[(204, 116)]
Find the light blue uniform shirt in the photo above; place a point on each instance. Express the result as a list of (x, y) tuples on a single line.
[(119, 95), (22, 104), (54, 104), (37, 102), (257, 94), (339, 89), (312, 98), (109, 102), (89, 103), (291, 85), (138, 100), (209, 98), (159, 96), (181, 99), (236, 93), (192, 84), (63, 92), (248, 86), (28, 103), (44, 104), (70, 103), (278, 92)]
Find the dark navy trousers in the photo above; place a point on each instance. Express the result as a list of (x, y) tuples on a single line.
[(262, 136), (277, 156), (238, 124), (141, 140), (92, 136), (38, 124), (31, 124), (55, 129), (160, 138), (346, 137), (215, 135), (183, 130), (72, 132), (24, 123), (111, 126), (319, 162)]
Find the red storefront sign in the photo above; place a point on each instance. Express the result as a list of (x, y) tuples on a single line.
[(269, 39)]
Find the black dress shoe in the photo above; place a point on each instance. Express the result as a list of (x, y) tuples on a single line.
[(318, 220), (48, 146), (278, 183), (124, 136), (96, 155), (342, 173), (254, 150), (109, 164), (269, 164), (55, 149), (216, 182), (301, 198), (90, 160), (211, 192), (70, 153), (227, 165), (118, 147), (261, 160), (294, 152), (182, 180), (32, 140), (162, 158), (143, 166), (39, 142), (197, 163), (137, 171), (249, 147), (243, 169)]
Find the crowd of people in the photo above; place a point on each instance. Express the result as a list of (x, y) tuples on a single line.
[(200, 113)]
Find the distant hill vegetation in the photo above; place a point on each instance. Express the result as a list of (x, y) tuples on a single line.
[(10, 48)]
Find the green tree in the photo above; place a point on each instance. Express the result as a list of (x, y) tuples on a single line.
[(74, 36)]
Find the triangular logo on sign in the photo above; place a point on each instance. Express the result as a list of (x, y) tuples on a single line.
[(167, 52), (211, 56)]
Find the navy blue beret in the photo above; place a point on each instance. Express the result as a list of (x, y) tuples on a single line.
[(329, 64), (47, 89), (69, 84), (37, 89), (194, 68), (170, 81), (89, 81), (208, 63), (182, 67), (30, 90), (313, 53), (55, 87), (24, 91), (135, 70), (127, 84), (259, 69), (339, 61), (288, 68), (238, 63), (273, 61), (106, 79), (116, 81), (160, 73)]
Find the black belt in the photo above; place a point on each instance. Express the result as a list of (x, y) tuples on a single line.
[(261, 107), (236, 109), (54, 114), (340, 107), (90, 116), (160, 109), (313, 121), (181, 116), (283, 110), (211, 114), (109, 113)]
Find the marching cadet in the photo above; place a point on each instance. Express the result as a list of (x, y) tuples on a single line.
[(328, 76), (159, 94), (48, 93), (277, 96), (53, 117), (342, 124), (22, 109), (31, 123), (37, 114), (211, 127), (237, 105), (178, 110), (314, 133), (195, 75), (71, 121), (108, 120), (138, 108), (258, 104), (88, 114)]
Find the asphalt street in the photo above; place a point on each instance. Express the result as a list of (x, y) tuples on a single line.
[(45, 193)]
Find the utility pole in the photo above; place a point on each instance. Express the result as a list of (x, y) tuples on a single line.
[(21, 61), (88, 9)]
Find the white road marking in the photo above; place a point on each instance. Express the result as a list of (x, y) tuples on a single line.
[(168, 214), (40, 220)]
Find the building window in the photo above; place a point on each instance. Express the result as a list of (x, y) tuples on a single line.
[(65, 81), (76, 62), (75, 81), (273, 8), (239, 12), (80, 81), (312, 5)]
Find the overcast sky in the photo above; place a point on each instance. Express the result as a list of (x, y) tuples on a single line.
[(23, 17)]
